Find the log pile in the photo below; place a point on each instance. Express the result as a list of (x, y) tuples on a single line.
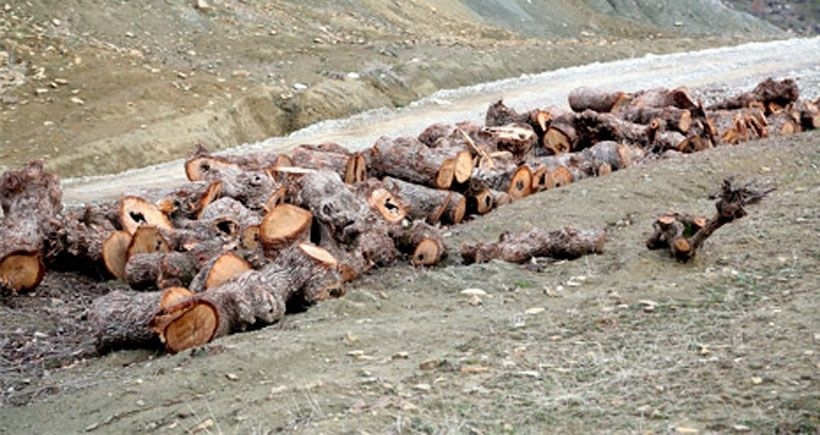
[(250, 237), (684, 234)]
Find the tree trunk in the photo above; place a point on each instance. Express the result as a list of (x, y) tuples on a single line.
[(422, 241), (121, 319), (782, 93), (584, 98), (158, 270), (567, 243), (328, 157), (409, 160), (31, 200), (425, 203)]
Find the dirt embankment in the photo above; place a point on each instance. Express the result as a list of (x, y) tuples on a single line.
[(627, 341), (99, 87)]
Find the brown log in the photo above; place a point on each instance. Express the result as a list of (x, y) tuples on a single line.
[(334, 204), (425, 203), (410, 160), (784, 123), (423, 242), (584, 98), (135, 211), (202, 165), (661, 97), (185, 201), (684, 235), (31, 200), (809, 114), (284, 225), (382, 200), (518, 139), (115, 253), (499, 115), (782, 93), (329, 157), (567, 243), (147, 239), (78, 244), (120, 319), (672, 118), (515, 180), (560, 170), (480, 198), (218, 270), (243, 180), (158, 270), (252, 298)]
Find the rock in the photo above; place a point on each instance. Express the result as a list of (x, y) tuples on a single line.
[(203, 5), (299, 86), (353, 75), (535, 310), (77, 100), (232, 376), (474, 292), (431, 364)]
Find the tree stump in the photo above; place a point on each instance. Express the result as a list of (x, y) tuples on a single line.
[(31, 200)]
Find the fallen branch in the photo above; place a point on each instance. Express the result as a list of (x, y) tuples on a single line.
[(684, 235)]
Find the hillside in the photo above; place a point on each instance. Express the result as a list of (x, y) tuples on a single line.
[(99, 87)]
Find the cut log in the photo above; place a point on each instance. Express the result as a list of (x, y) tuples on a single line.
[(284, 225), (254, 298), (421, 241), (328, 157), (809, 114), (158, 270), (782, 93), (672, 118), (115, 253), (660, 98), (584, 98), (382, 200), (135, 211), (499, 115), (480, 198), (185, 201), (219, 270), (567, 243), (784, 123), (684, 235), (31, 200), (120, 319), (518, 139), (428, 204), (410, 160), (147, 239), (511, 179), (334, 204), (78, 245)]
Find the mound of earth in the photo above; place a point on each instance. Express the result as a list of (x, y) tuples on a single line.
[(99, 87)]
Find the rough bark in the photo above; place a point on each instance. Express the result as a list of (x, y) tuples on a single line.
[(428, 204), (421, 241), (515, 180), (684, 235), (584, 98), (567, 243), (158, 270), (328, 157), (410, 160), (779, 92), (31, 200), (121, 319), (334, 204), (253, 298), (518, 139), (382, 200)]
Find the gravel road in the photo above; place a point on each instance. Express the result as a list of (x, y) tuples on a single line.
[(728, 68)]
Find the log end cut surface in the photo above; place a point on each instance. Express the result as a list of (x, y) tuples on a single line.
[(21, 271)]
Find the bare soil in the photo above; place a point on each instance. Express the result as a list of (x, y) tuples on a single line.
[(627, 341), (100, 87)]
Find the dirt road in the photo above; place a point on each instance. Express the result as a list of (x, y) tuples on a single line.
[(731, 68)]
